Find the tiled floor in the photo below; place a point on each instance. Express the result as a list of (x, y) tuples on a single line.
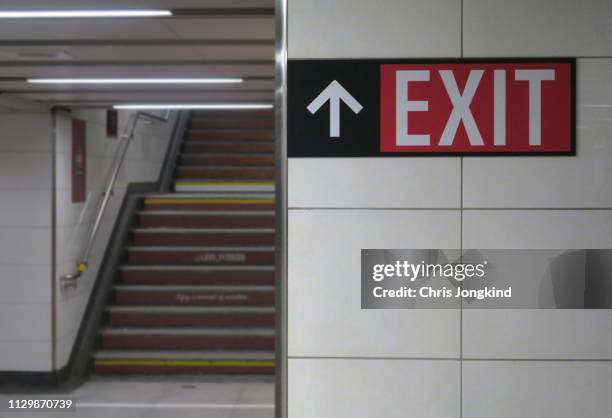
[(155, 397)]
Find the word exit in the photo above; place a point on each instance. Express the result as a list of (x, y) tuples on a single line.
[(477, 108)]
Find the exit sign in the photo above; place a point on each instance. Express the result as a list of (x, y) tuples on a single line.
[(364, 108)]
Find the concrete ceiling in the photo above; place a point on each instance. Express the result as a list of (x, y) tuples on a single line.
[(205, 38)]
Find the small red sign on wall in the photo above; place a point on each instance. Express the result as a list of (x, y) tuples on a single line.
[(79, 161)]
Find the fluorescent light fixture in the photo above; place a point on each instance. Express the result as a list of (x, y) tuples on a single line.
[(62, 14), (201, 106), (134, 80)]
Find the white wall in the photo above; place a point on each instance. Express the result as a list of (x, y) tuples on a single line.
[(345, 362), (75, 221), (28, 337), (25, 241)]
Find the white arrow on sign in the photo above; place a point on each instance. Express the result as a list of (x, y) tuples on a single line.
[(334, 93)]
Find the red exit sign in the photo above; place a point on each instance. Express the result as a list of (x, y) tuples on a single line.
[(480, 108), (431, 107)]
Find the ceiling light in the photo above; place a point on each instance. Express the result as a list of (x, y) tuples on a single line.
[(200, 106), (133, 80), (59, 14)]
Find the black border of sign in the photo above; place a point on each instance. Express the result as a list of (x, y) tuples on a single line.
[(381, 61)]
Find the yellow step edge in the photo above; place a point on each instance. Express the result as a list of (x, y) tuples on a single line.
[(226, 183), (184, 363), (208, 201)]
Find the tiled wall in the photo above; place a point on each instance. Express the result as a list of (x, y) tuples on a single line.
[(25, 241), (75, 221), (27, 339), (345, 362)]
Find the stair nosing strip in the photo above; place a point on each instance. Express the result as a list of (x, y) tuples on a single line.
[(232, 213), (228, 182), (200, 248), (183, 354), (229, 129), (195, 288), (226, 167), (208, 184), (213, 196), (214, 153), (228, 141), (137, 267), (197, 331), (229, 154), (188, 230), (188, 309)]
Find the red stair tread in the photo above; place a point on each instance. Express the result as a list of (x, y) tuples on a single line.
[(230, 134), (244, 160), (192, 297), (231, 123), (218, 205), (258, 173), (194, 220), (227, 147), (187, 342), (166, 369), (200, 257), (205, 277), (126, 319), (143, 238)]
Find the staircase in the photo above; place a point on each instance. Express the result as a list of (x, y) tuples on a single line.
[(196, 292)]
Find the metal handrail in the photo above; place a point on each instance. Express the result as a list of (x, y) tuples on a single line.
[(125, 139), (174, 149)]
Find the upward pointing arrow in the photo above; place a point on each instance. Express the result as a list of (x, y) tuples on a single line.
[(335, 93)]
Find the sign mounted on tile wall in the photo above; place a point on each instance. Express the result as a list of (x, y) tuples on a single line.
[(79, 161), (386, 108)]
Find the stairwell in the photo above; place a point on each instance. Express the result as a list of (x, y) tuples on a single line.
[(195, 294)]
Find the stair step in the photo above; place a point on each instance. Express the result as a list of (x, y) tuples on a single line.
[(211, 195), (205, 275), (193, 295), (203, 218), (230, 135), (201, 255), (191, 310), (199, 147), (184, 361), (196, 293), (229, 172), (216, 201), (203, 236), (242, 160), (188, 338), (164, 316), (212, 185), (195, 331), (186, 354), (234, 122)]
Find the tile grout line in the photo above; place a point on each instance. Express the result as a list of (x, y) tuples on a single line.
[(461, 28), (471, 359), (464, 208), (237, 402), (54, 267), (461, 300), (461, 255)]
